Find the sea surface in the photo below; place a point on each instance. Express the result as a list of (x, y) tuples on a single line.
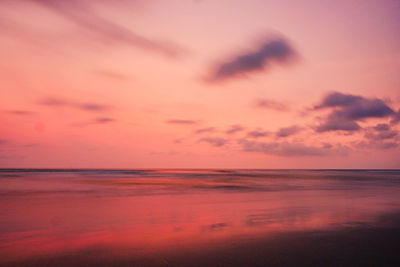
[(48, 217)]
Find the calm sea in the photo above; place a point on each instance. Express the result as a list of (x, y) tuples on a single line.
[(141, 212)]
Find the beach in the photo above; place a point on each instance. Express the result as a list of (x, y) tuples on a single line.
[(199, 217)]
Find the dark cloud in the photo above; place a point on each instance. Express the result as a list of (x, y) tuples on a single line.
[(215, 141), (83, 14), (234, 129), (3, 141), (205, 130), (334, 123), (183, 122), (270, 104), (337, 99), (20, 112), (347, 110), (270, 52), (286, 149), (257, 133), (288, 131), (87, 106), (281, 149), (356, 107)]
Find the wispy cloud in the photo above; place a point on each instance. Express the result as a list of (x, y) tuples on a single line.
[(182, 121), (20, 112), (87, 106), (205, 130), (234, 129), (82, 13), (380, 136), (373, 144), (114, 75), (288, 131), (99, 120), (275, 51), (258, 134), (270, 104), (286, 149), (382, 127), (102, 120), (92, 107), (214, 141)]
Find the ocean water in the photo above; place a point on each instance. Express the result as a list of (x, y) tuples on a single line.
[(47, 213)]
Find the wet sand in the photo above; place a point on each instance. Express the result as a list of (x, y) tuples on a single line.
[(355, 247)]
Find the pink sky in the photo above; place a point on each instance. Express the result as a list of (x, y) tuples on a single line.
[(199, 84)]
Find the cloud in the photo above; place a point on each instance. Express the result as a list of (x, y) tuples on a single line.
[(215, 141), (270, 52), (92, 107), (283, 149), (257, 134), (102, 120), (333, 123), (380, 132), (180, 121), (179, 140), (234, 129), (83, 14), (396, 118), (382, 135), (3, 141), (270, 104), (347, 110), (337, 99), (382, 127), (356, 107), (112, 75), (372, 144), (20, 112), (288, 131), (215, 227), (205, 130), (387, 145), (99, 120), (54, 102), (87, 106)]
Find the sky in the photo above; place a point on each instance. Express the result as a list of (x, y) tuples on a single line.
[(200, 84)]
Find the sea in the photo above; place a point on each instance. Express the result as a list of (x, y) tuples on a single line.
[(154, 216)]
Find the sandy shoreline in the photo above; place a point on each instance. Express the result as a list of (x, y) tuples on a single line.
[(355, 246)]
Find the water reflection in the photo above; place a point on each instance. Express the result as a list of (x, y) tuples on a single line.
[(142, 212)]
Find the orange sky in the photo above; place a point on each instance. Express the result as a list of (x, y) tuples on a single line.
[(199, 84)]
